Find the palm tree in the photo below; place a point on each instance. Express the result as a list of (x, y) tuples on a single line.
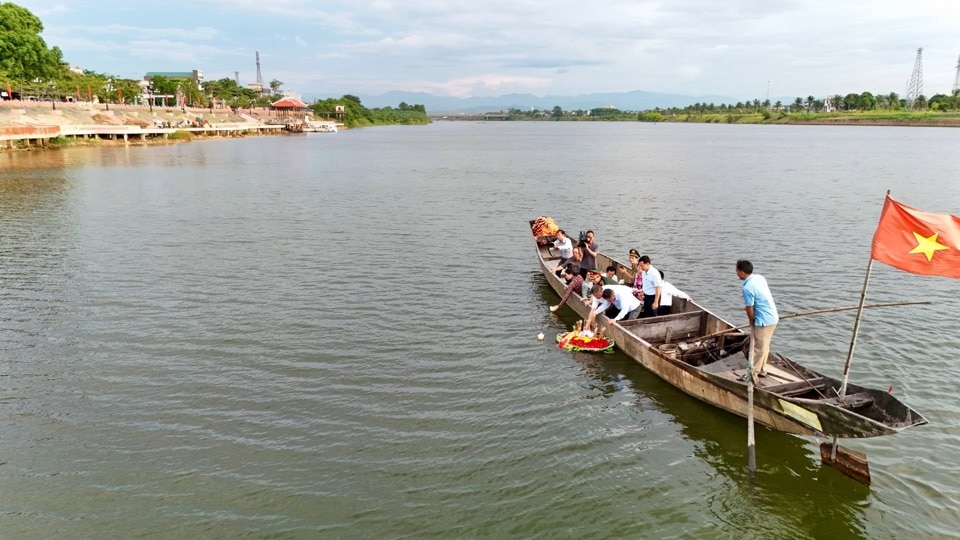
[(797, 104), (837, 102), (894, 100), (810, 100)]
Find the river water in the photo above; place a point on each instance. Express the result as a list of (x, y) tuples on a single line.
[(334, 336)]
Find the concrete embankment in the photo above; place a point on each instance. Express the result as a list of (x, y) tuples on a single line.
[(30, 124)]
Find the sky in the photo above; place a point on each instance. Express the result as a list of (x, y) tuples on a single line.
[(746, 49)]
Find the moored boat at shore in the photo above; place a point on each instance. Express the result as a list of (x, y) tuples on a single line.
[(320, 127), (706, 357)]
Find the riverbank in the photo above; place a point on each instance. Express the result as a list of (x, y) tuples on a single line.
[(32, 125), (844, 118)]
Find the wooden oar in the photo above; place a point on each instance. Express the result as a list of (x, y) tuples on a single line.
[(817, 312)]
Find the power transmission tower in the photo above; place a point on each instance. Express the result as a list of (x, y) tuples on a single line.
[(915, 89), (956, 79), (259, 76)]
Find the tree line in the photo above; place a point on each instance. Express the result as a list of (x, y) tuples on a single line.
[(862, 102), (33, 70), (356, 115)]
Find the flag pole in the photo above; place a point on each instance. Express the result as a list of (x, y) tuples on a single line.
[(856, 330), (853, 341), (751, 443)]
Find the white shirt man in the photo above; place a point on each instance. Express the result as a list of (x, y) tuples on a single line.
[(667, 292), (564, 245), (620, 297)]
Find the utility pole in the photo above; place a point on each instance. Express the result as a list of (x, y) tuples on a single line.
[(259, 75), (915, 89), (236, 76), (956, 79)]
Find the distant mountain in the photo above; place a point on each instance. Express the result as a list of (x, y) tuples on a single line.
[(627, 101)]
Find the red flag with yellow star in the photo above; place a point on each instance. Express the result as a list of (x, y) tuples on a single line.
[(917, 242)]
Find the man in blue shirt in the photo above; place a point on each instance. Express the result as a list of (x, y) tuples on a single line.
[(761, 312)]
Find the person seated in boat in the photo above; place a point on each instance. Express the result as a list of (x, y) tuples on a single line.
[(667, 293), (593, 278), (616, 302), (565, 248), (574, 283), (610, 276)]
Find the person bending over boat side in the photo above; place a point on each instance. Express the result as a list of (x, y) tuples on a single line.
[(621, 297), (615, 301), (652, 285), (565, 247), (590, 250), (667, 294), (595, 299), (574, 283), (761, 312)]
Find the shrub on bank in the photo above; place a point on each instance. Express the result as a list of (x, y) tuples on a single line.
[(180, 135)]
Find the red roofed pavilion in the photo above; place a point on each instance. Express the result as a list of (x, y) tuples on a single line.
[(289, 108)]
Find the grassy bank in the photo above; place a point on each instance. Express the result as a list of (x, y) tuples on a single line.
[(877, 118)]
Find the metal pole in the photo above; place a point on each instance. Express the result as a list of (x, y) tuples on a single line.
[(751, 444), (853, 345), (856, 329)]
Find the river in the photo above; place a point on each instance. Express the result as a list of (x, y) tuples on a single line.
[(334, 335)]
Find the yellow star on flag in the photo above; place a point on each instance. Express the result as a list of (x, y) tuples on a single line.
[(927, 245)]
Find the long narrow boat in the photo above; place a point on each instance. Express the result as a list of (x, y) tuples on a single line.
[(687, 349)]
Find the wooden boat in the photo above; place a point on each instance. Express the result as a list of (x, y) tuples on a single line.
[(684, 349)]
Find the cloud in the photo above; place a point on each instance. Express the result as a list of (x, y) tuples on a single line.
[(559, 47), (202, 33)]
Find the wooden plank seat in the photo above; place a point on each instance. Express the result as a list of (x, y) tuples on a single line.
[(797, 388)]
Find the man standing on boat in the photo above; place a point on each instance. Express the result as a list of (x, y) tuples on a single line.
[(590, 250), (761, 312), (652, 285)]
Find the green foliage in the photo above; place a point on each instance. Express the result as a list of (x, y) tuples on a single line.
[(181, 135), (24, 55), (650, 116), (356, 115)]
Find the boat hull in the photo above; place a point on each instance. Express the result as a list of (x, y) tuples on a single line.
[(804, 402)]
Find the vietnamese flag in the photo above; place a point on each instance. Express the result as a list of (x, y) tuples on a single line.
[(917, 242)]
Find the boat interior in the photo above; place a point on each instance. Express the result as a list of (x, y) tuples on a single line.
[(692, 335)]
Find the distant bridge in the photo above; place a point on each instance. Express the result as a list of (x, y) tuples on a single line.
[(471, 117)]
